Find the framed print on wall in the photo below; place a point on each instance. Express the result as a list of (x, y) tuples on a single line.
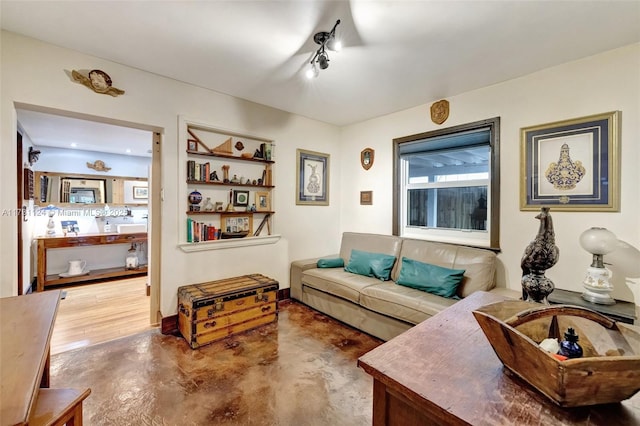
[(312, 178), (140, 192), (571, 165)]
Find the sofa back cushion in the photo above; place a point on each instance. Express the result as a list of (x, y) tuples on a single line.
[(479, 264), (369, 264), (385, 244)]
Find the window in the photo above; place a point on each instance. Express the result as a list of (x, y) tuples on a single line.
[(447, 185)]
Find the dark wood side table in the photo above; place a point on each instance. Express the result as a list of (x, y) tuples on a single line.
[(621, 311), (444, 371)]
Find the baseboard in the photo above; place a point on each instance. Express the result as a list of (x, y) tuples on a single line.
[(169, 324)]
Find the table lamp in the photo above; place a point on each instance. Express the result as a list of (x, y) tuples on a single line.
[(598, 242)]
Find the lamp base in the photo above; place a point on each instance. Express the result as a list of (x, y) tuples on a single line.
[(597, 286), (599, 299)]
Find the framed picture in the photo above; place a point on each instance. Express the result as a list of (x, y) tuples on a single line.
[(366, 198), (240, 198), (141, 192), (571, 165), (263, 202), (312, 178), (192, 145), (234, 223)]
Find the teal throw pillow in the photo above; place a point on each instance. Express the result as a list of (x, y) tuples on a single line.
[(377, 265), (430, 278), (331, 263)]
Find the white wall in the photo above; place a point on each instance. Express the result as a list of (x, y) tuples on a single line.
[(602, 83), (37, 73)]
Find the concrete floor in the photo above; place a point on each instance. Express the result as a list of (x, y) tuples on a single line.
[(299, 371)]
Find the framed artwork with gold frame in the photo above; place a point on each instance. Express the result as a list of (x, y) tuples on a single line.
[(571, 165), (263, 201)]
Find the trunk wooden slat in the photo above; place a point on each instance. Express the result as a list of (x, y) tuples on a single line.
[(217, 309)]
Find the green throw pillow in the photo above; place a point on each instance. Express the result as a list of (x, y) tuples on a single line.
[(377, 265), (430, 278), (330, 263)]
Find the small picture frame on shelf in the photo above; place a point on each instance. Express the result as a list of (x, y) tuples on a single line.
[(240, 198), (236, 223), (263, 203), (192, 145)]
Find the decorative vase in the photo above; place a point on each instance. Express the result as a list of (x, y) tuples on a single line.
[(195, 198), (208, 205)]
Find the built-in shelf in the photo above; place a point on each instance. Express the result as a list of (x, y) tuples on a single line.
[(235, 185), (226, 212), (230, 157), (230, 243)]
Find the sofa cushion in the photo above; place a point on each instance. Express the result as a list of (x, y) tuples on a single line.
[(479, 264), (338, 282), (387, 244), (334, 262), (404, 303), (369, 264), (430, 278)]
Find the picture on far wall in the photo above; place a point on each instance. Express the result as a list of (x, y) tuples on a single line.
[(312, 178), (571, 165), (140, 192)]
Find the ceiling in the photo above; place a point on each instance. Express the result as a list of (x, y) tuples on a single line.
[(396, 55)]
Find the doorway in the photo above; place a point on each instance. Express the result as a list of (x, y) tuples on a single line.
[(43, 129)]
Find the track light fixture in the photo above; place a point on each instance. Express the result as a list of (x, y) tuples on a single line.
[(326, 40)]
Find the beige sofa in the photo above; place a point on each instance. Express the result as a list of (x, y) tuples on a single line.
[(383, 308)]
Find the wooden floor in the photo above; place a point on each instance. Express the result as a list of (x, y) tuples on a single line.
[(96, 313)]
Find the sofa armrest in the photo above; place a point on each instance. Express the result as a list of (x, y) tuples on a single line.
[(295, 274)]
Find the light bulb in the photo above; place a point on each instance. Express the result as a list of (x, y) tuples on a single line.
[(311, 73)]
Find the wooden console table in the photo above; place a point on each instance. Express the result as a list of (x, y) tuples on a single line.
[(26, 325), (443, 371), (46, 243)]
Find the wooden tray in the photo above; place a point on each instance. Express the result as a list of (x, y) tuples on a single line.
[(608, 372)]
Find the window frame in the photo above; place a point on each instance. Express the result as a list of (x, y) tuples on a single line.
[(494, 175)]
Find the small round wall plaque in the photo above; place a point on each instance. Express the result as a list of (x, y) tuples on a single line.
[(440, 111)]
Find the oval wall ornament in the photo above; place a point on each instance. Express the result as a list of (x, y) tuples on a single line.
[(366, 158), (440, 111)]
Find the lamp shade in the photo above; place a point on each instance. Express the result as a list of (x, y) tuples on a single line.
[(598, 241)]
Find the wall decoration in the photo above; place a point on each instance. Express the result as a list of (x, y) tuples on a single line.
[(366, 198), (236, 223), (440, 111), (366, 158), (263, 203), (98, 166), (98, 81), (312, 178), (192, 145), (34, 155), (571, 165), (240, 198), (141, 192), (28, 185)]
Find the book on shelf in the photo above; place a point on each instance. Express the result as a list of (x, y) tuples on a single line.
[(200, 231), (198, 171)]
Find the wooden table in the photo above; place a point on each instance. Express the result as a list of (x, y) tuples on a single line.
[(26, 325), (47, 243), (443, 371)]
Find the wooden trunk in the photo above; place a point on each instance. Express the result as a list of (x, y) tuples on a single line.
[(217, 309)]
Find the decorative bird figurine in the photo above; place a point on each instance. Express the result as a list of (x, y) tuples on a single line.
[(540, 255)]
